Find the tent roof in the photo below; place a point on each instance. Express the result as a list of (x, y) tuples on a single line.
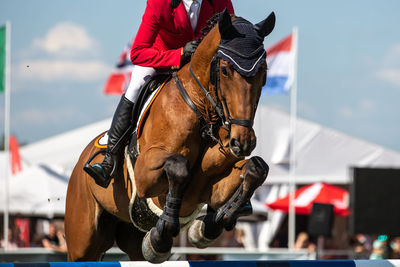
[(36, 190), (63, 150), (322, 154)]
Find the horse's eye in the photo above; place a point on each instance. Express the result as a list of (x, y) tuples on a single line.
[(224, 71)]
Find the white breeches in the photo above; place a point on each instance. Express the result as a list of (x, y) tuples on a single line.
[(139, 76)]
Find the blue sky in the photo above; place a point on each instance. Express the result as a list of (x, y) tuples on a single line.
[(348, 69)]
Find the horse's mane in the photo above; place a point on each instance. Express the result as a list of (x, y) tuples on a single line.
[(210, 24)]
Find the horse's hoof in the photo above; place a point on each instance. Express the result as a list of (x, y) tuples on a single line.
[(196, 235), (149, 253)]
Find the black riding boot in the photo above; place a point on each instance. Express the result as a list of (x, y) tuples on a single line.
[(121, 122)]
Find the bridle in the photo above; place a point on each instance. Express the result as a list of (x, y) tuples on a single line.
[(219, 105), (215, 81)]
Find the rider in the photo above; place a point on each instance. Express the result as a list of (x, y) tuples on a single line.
[(164, 42)]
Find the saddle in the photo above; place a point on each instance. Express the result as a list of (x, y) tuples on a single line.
[(139, 115)]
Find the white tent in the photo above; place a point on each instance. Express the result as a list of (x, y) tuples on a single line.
[(322, 154), (37, 190), (63, 150)]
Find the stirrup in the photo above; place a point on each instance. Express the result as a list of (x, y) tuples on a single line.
[(96, 171)]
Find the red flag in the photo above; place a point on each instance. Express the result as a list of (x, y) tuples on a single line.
[(15, 157), (120, 77), (23, 225)]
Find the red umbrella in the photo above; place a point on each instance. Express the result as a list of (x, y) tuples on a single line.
[(318, 192)]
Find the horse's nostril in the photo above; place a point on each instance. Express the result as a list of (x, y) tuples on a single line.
[(234, 143), (235, 147)]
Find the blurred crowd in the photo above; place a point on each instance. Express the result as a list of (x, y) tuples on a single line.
[(28, 233), (25, 233), (382, 247)]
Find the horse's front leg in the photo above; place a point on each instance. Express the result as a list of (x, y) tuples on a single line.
[(239, 203), (157, 243), (230, 199)]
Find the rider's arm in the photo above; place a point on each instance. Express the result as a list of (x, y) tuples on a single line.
[(142, 52), (220, 6)]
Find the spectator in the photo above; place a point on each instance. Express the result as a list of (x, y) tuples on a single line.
[(55, 238), (12, 240), (361, 246), (395, 246), (380, 248), (303, 242)]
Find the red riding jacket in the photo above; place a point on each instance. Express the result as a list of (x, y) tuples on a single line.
[(165, 30)]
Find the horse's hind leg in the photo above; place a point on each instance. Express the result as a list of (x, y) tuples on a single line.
[(231, 199), (89, 230), (158, 241), (88, 240)]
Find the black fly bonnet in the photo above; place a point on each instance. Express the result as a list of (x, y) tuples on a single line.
[(245, 51)]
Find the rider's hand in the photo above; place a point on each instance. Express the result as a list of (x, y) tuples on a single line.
[(187, 52)]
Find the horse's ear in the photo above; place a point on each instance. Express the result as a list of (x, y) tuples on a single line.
[(225, 26), (265, 27), (224, 22)]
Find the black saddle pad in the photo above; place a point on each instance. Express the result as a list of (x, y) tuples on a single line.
[(149, 87), (144, 94)]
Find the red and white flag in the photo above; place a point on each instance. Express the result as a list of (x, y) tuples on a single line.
[(120, 77), (15, 157)]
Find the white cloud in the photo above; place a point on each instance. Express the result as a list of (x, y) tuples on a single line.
[(66, 38), (390, 75), (365, 107), (38, 116), (390, 70), (345, 112), (67, 70)]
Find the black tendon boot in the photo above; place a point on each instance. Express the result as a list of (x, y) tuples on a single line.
[(121, 122)]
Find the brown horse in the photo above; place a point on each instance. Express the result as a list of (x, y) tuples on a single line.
[(192, 151)]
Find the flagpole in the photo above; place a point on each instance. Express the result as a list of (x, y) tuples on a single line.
[(292, 165), (7, 131)]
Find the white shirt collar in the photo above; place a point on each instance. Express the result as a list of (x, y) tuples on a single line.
[(188, 3)]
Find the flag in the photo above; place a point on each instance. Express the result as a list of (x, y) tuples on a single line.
[(120, 77), (23, 225), (15, 157), (2, 57), (280, 61)]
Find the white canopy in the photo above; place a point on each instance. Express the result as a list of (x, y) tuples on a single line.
[(36, 190), (322, 154), (63, 150)]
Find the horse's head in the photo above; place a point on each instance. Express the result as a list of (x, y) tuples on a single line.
[(239, 71)]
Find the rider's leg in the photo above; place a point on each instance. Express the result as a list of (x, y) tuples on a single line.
[(121, 122)]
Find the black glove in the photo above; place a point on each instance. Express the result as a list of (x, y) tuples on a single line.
[(187, 52)]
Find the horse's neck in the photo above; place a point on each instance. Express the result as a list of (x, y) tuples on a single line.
[(200, 64), (204, 54)]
